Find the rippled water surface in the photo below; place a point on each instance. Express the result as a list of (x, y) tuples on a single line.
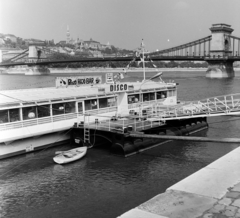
[(104, 185)]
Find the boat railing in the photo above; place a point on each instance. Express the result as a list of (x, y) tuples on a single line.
[(37, 121), (51, 119), (156, 114), (101, 111), (145, 103), (215, 106), (120, 124)]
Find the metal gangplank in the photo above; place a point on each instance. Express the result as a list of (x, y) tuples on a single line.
[(155, 114), (209, 107)]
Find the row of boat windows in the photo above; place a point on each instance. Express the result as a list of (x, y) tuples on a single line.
[(26, 113), (135, 98)]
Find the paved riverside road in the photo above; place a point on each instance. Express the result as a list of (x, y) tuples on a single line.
[(212, 192)]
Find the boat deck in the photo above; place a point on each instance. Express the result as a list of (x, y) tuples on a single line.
[(121, 124)]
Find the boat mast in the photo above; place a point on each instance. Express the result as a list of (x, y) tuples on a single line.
[(142, 47)]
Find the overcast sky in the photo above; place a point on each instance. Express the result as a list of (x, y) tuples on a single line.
[(122, 23)]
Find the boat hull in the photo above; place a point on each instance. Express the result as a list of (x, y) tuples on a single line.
[(70, 155), (31, 144), (124, 145)]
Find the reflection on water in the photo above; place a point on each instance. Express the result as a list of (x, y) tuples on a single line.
[(104, 185)]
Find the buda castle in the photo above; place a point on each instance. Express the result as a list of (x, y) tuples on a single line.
[(89, 44)]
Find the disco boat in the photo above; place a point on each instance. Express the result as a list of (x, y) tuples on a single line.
[(32, 119)]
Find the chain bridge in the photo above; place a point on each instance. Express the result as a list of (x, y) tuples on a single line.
[(219, 50)]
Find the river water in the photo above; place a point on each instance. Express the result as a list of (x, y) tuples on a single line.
[(104, 185)]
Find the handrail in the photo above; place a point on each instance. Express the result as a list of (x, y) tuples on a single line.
[(157, 115), (51, 119)]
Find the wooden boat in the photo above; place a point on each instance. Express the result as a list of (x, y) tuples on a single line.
[(64, 157)]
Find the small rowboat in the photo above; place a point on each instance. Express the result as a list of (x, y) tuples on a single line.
[(64, 157)]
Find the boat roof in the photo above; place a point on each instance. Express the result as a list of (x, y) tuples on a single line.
[(44, 95)]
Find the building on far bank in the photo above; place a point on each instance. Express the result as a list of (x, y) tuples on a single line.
[(63, 42), (95, 45), (96, 53)]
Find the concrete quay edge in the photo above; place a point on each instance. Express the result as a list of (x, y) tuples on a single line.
[(211, 192)]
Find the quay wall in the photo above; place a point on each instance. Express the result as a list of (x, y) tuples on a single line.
[(117, 70), (28, 71), (211, 192)]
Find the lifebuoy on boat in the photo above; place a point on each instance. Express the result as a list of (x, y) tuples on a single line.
[(31, 115)]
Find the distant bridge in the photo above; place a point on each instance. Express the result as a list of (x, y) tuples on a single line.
[(219, 50)]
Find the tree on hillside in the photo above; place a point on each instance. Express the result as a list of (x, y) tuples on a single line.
[(82, 54), (114, 49), (59, 56), (108, 51)]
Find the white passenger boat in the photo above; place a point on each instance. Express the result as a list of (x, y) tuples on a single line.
[(64, 157), (31, 119)]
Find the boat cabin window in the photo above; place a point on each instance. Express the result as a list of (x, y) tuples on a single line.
[(172, 93), (107, 102), (162, 94), (29, 113), (149, 96), (80, 107), (112, 102), (43, 111), (133, 99), (70, 107), (14, 115), (36, 112), (63, 108), (103, 102), (4, 118), (91, 104), (58, 109)]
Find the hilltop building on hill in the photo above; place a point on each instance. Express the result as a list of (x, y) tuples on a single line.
[(95, 45), (88, 44)]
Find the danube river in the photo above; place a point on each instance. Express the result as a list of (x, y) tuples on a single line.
[(104, 185)]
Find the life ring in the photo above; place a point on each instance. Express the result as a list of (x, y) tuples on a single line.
[(31, 115)]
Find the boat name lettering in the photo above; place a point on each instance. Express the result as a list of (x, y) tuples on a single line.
[(80, 81), (118, 87), (86, 81), (77, 81)]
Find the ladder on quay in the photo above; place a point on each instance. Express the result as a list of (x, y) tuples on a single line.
[(86, 135)]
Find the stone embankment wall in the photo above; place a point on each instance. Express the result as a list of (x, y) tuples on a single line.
[(212, 192), (27, 71)]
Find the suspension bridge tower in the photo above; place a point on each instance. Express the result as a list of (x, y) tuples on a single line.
[(220, 64)]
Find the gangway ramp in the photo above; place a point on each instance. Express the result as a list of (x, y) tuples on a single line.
[(156, 115), (215, 106)]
